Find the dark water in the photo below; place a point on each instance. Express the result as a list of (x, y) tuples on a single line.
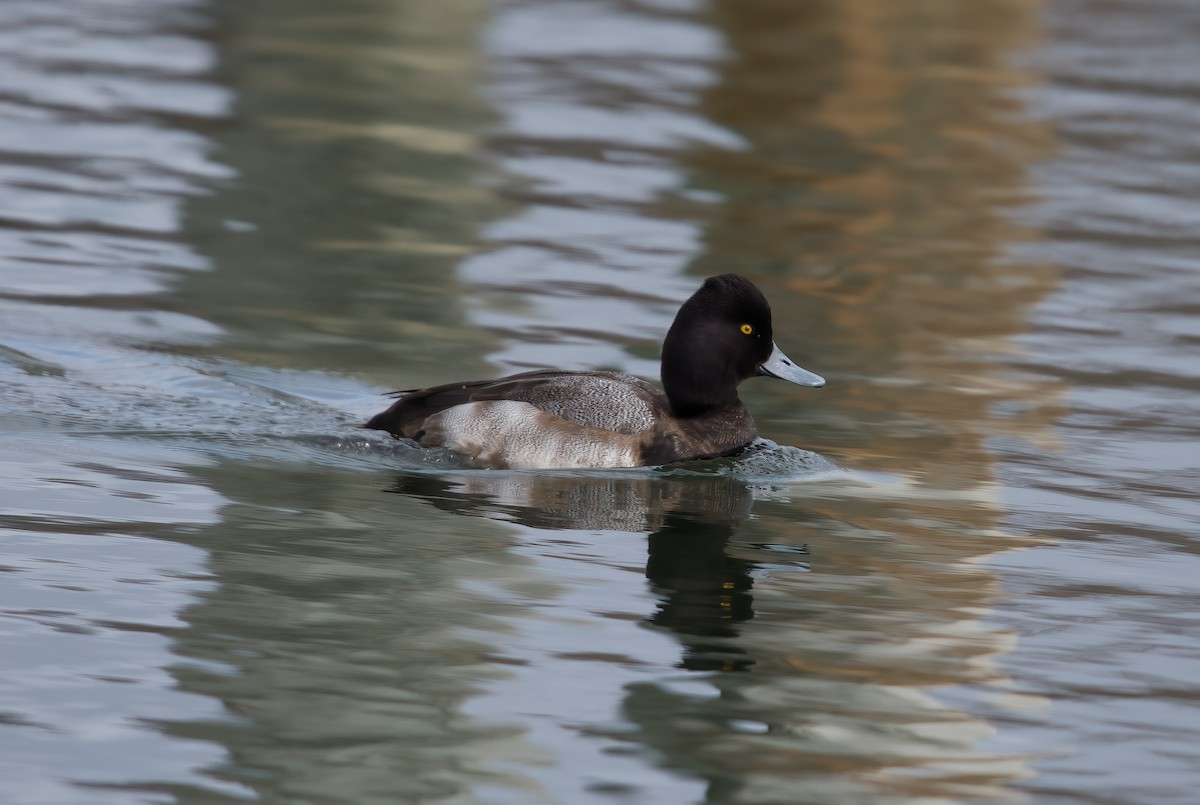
[(966, 570)]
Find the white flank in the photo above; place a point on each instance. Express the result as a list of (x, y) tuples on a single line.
[(515, 434)]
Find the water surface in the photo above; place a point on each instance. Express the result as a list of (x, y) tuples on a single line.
[(962, 571)]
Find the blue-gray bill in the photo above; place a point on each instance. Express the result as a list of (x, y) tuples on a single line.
[(781, 366)]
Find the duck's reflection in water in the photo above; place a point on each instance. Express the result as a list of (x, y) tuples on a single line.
[(704, 592)]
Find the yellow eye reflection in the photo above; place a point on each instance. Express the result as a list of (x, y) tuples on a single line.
[(747, 329)]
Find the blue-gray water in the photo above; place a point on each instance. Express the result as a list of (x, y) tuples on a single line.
[(966, 570)]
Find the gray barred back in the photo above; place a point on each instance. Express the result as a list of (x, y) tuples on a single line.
[(609, 401)]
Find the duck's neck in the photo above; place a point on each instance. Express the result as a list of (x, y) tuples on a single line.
[(697, 387)]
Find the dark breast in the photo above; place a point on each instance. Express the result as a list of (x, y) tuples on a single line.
[(716, 433)]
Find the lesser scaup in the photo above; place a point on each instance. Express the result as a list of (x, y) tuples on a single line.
[(560, 419)]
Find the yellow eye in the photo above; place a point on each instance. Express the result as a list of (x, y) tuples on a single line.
[(747, 329)]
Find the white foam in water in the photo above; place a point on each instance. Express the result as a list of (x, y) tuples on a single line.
[(775, 461), (767, 461)]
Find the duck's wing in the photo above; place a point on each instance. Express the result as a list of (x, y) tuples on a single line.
[(601, 400), (406, 417)]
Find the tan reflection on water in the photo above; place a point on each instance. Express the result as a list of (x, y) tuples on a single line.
[(887, 145)]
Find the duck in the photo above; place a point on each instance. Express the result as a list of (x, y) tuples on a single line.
[(561, 419)]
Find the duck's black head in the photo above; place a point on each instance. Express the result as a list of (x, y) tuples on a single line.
[(721, 336)]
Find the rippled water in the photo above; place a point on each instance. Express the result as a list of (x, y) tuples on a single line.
[(964, 570)]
